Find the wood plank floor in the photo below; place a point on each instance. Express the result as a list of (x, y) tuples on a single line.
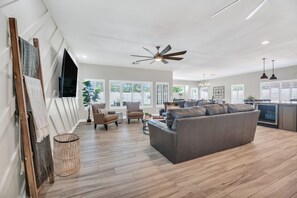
[(121, 163)]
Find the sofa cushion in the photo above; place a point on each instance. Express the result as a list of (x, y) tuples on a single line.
[(173, 114), (233, 108), (181, 103), (133, 106), (202, 102), (111, 117), (135, 114), (215, 109), (190, 103)]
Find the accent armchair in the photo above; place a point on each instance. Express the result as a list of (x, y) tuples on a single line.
[(134, 111), (101, 116)]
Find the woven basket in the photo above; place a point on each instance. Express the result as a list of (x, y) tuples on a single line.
[(66, 154)]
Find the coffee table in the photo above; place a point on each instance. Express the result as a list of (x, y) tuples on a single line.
[(145, 128)]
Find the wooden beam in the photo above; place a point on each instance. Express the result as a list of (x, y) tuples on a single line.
[(39, 72), (21, 102)]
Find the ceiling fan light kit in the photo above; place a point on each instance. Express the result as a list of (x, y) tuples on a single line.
[(160, 56)]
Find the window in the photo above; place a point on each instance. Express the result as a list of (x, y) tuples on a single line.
[(162, 93), (203, 93), (147, 94), (194, 93), (98, 84), (178, 91), (122, 92), (115, 94), (237, 94), (279, 90)]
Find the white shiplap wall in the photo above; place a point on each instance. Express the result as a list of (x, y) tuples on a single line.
[(34, 21)]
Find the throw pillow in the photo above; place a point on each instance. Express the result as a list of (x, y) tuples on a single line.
[(102, 111), (233, 108), (215, 109), (173, 114)]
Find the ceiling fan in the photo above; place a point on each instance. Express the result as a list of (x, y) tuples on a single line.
[(160, 56), (260, 5)]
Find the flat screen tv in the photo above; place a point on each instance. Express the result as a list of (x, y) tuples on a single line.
[(68, 78)]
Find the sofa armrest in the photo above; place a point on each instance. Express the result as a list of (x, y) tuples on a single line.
[(163, 139)]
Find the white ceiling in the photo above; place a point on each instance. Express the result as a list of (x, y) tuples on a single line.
[(108, 31)]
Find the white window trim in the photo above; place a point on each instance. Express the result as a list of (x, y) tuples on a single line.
[(184, 93), (200, 93), (121, 107), (161, 83), (277, 81), (191, 93), (237, 85), (104, 92)]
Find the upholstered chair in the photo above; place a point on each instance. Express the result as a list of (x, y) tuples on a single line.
[(101, 116), (134, 111)]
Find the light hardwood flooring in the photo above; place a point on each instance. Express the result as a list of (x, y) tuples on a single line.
[(121, 162)]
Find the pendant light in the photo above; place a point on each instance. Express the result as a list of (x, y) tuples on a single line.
[(204, 84), (264, 75), (273, 77)]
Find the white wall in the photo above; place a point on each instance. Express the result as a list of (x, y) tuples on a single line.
[(121, 73), (33, 21), (251, 82), (188, 85)]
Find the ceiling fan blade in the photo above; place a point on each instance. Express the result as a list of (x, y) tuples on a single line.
[(164, 51), (225, 8), (152, 62), (175, 53), (256, 10), (173, 58), (149, 51), (142, 56), (143, 60), (164, 61)]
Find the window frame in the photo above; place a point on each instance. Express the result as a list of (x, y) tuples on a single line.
[(121, 93), (184, 90), (104, 92), (280, 88), (161, 83), (237, 99), (200, 93), (191, 93)]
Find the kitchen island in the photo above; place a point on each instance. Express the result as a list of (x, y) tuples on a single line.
[(278, 115)]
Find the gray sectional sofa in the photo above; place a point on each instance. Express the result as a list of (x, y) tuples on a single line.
[(201, 130)]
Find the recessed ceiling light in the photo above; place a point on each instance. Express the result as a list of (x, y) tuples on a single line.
[(265, 42), (84, 56)]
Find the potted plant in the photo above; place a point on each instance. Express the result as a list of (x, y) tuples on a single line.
[(250, 98), (90, 95), (147, 115)]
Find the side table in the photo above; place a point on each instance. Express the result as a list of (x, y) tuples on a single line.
[(120, 119), (145, 128)]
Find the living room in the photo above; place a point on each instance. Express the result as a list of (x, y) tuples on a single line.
[(217, 51)]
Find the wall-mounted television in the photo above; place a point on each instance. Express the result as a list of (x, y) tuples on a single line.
[(68, 78)]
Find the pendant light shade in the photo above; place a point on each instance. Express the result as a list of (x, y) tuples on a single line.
[(264, 76), (273, 77)]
